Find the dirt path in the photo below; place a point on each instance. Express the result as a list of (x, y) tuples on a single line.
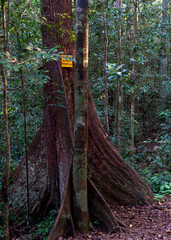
[(142, 223)]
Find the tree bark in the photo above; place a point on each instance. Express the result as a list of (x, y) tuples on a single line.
[(114, 178), (80, 198)]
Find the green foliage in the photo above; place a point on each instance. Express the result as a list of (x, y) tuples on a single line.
[(25, 56), (160, 182), (166, 188), (155, 165), (1, 232), (24, 27), (96, 222), (43, 229)]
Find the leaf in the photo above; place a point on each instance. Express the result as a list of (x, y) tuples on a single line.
[(132, 59), (167, 186), (29, 48), (119, 67), (119, 73)]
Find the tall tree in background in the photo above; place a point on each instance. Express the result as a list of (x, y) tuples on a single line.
[(133, 80), (51, 152), (105, 65), (119, 87), (164, 39), (24, 116), (7, 136)]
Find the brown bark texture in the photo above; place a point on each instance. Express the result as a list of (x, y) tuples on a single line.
[(50, 154)]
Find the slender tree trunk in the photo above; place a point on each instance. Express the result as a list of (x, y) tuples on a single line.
[(105, 64), (128, 35), (164, 39), (25, 128), (132, 123), (7, 164), (119, 2), (25, 146), (120, 94), (133, 82), (81, 214), (116, 115), (7, 136), (128, 52), (120, 84), (119, 116)]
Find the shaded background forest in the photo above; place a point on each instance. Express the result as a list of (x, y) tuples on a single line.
[(152, 85)]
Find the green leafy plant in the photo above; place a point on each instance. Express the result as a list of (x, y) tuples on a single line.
[(1, 233), (166, 188), (96, 222), (43, 229)]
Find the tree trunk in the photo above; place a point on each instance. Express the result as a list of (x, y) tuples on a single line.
[(25, 124), (50, 154), (163, 67), (132, 148), (119, 91), (80, 198), (105, 75), (7, 136)]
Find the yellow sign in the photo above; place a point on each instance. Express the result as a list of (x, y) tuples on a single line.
[(66, 61)]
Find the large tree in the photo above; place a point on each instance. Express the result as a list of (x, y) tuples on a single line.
[(50, 154)]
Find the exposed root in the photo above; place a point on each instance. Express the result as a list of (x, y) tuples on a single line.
[(100, 211), (41, 203), (64, 222)]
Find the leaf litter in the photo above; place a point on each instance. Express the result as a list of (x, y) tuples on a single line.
[(142, 223)]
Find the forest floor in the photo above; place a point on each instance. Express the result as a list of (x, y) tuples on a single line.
[(142, 223)]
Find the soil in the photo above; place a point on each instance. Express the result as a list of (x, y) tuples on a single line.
[(142, 223)]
